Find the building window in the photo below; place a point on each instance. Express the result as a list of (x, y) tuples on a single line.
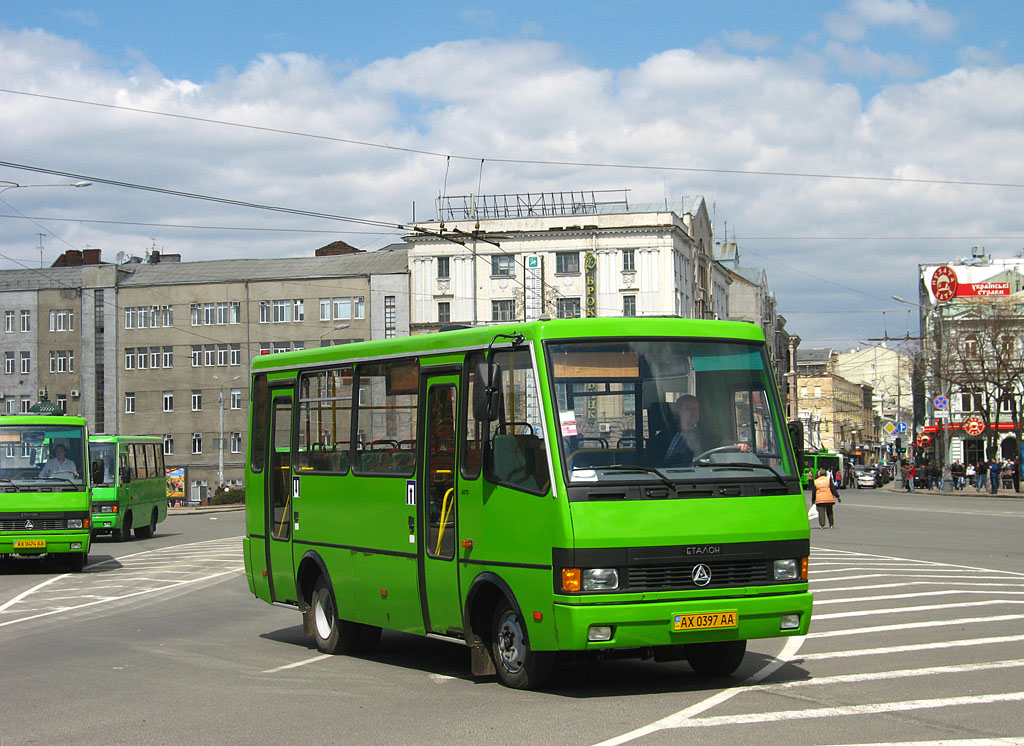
[(503, 265), (236, 442), (208, 355), (568, 308), (503, 310), (53, 361), (197, 355), (168, 401), (629, 305), (9, 362), (197, 400), (26, 321), (168, 315), (129, 317), (129, 358), (129, 402), (142, 314), (154, 357), (209, 314), (236, 398), (141, 361), (62, 320), (390, 322), (264, 311), (325, 309), (299, 309), (26, 362), (62, 402), (235, 312), (443, 268), (168, 357), (26, 405), (222, 355), (236, 354), (444, 312), (8, 321), (168, 445), (196, 312), (628, 260), (342, 308), (567, 262), (282, 311), (197, 443)]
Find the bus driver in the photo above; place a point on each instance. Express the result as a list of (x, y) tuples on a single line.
[(59, 466)]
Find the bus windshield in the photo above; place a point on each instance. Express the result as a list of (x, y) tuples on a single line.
[(38, 458), (667, 409), (104, 452)]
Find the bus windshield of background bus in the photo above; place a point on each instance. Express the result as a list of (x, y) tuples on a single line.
[(41, 459), (688, 409), (104, 452)]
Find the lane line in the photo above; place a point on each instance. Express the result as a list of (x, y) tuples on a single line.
[(31, 590), (880, 586), (916, 625), (913, 609), (848, 710), (787, 654), (920, 646), (902, 673), (299, 663), (998, 741), (853, 554), (894, 596)]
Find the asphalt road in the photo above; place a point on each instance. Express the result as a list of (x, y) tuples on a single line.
[(918, 636)]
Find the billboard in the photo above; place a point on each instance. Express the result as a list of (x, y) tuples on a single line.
[(947, 283)]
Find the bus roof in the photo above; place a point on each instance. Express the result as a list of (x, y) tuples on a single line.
[(28, 418), (125, 439), (480, 336)]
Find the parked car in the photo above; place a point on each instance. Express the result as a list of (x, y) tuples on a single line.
[(868, 476)]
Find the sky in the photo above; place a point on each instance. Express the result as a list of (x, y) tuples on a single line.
[(840, 144)]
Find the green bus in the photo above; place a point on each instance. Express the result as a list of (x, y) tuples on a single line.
[(511, 488), (44, 487), (129, 485), (812, 462)]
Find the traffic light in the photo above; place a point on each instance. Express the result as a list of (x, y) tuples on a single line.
[(899, 446)]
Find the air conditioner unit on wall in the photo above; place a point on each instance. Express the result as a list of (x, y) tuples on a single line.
[(75, 393), (604, 427)]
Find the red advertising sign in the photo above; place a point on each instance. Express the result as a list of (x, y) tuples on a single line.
[(983, 289), (944, 284), (974, 426), (924, 440)]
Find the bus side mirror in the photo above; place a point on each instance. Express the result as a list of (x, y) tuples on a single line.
[(486, 392), (96, 471), (125, 476), (796, 437)]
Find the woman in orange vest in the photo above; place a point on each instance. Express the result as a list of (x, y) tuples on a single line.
[(824, 496)]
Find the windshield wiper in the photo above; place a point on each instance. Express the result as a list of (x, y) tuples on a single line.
[(642, 469), (58, 479), (745, 465)]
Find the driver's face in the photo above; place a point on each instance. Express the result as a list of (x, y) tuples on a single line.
[(689, 413)]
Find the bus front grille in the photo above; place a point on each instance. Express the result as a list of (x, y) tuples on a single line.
[(32, 524), (680, 577)]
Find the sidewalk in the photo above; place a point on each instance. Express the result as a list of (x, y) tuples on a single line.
[(190, 510), (947, 491)]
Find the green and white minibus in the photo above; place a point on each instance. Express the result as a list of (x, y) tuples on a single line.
[(44, 487), (531, 490), (129, 485)]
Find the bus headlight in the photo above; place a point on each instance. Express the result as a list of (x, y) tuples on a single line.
[(74, 522), (600, 579), (786, 569)]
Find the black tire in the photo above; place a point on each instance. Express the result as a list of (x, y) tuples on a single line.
[(125, 532), (715, 658), (333, 635), (77, 561), (144, 532), (517, 666)]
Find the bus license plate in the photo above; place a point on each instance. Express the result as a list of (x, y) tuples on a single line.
[(30, 543), (707, 620)]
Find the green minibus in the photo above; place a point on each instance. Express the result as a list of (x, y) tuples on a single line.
[(44, 487), (129, 485), (534, 491)]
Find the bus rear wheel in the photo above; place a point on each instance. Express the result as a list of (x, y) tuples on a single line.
[(517, 666), (334, 635), (144, 532), (125, 532), (715, 658)]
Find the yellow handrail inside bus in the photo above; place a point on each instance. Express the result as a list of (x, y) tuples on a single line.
[(446, 509)]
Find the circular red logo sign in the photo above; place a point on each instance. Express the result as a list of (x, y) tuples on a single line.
[(924, 440), (974, 426), (944, 284)]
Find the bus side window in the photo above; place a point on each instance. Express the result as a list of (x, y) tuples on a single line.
[(474, 430), (258, 426), (325, 420), (386, 416), (518, 455)]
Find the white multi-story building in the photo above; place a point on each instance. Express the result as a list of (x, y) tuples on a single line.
[(889, 373), (495, 258)]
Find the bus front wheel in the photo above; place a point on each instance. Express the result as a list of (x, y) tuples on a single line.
[(518, 666), (77, 561), (715, 658)]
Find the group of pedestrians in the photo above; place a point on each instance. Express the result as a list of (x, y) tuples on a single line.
[(984, 474)]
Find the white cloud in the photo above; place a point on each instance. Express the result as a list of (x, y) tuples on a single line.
[(859, 16), (861, 62), (747, 41), (527, 100), (979, 57)]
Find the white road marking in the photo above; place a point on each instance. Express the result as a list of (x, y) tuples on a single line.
[(903, 673), (895, 596), (913, 648), (970, 584), (846, 710), (955, 742), (917, 625), (914, 609), (305, 662), (30, 591)]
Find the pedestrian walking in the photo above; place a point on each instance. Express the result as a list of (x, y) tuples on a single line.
[(993, 476), (911, 476), (970, 474), (824, 496)]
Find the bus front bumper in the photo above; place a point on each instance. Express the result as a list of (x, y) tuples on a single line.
[(63, 542), (653, 624)]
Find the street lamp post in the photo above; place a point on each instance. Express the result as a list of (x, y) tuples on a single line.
[(335, 328), (220, 440)]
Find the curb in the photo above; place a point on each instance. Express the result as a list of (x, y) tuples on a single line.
[(206, 509)]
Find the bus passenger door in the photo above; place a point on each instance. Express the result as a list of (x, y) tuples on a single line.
[(438, 491), (278, 489)]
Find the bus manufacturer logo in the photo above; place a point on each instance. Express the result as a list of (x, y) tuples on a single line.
[(701, 575), (29, 525)]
